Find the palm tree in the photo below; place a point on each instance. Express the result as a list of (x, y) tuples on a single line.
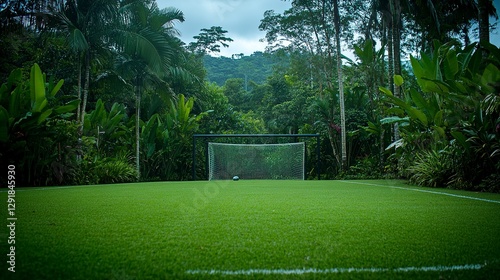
[(395, 7), (86, 26), (485, 10), (147, 45), (336, 21)]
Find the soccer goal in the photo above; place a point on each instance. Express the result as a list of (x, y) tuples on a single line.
[(256, 156), (256, 161)]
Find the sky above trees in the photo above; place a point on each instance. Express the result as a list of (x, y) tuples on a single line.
[(241, 18)]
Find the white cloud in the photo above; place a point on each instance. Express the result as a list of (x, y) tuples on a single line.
[(243, 45)]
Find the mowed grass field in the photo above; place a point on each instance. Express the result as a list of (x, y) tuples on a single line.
[(253, 230)]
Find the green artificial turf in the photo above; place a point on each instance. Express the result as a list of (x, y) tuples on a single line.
[(253, 230)]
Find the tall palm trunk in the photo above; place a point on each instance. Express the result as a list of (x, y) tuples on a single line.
[(484, 21), (336, 20), (85, 88), (79, 89), (397, 41), (395, 6), (138, 127), (388, 43)]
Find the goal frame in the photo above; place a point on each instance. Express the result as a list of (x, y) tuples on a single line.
[(206, 137)]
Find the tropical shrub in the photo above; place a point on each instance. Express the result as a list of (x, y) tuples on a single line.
[(109, 170), (112, 170), (491, 183), (109, 129), (35, 128), (456, 109), (167, 141), (365, 168), (62, 152), (431, 168)]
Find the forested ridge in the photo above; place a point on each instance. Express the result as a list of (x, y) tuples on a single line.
[(256, 67), (105, 91)]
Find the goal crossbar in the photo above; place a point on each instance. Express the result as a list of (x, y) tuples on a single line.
[(207, 137)]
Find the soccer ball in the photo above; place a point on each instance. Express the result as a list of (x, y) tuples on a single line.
[(236, 178)]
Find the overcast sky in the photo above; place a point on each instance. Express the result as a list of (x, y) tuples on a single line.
[(241, 18)]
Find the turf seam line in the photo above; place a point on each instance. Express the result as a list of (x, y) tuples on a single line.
[(301, 271), (427, 191)]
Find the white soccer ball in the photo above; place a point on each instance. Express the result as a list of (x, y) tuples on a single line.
[(236, 178)]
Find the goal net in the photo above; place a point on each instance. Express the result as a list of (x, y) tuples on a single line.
[(256, 161)]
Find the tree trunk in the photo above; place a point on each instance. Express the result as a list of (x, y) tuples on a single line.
[(138, 130), (396, 34), (79, 89), (381, 149), (484, 24), (382, 130), (85, 89), (332, 138), (390, 57), (484, 21), (336, 19)]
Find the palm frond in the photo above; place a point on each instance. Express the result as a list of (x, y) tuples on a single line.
[(72, 29), (166, 19), (146, 45), (179, 73), (101, 12)]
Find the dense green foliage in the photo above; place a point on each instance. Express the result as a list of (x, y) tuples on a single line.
[(255, 68), (180, 230), (34, 127), (134, 94), (452, 121)]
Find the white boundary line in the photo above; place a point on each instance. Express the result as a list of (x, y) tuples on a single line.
[(425, 191), (302, 271), (50, 188)]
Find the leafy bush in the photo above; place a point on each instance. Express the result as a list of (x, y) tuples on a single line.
[(431, 169), (113, 171), (471, 171), (94, 169), (490, 183), (452, 120), (62, 150), (108, 171), (366, 168), (36, 133)]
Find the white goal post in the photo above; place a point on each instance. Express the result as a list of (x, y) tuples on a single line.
[(256, 161), (200, 161)]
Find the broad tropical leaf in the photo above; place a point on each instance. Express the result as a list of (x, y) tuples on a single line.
[(37, 89)]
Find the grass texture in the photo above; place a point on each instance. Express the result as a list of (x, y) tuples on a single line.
[(253, 230)]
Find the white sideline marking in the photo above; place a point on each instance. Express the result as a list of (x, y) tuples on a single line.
[(300, 271), (426, 191), (49, 188)]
